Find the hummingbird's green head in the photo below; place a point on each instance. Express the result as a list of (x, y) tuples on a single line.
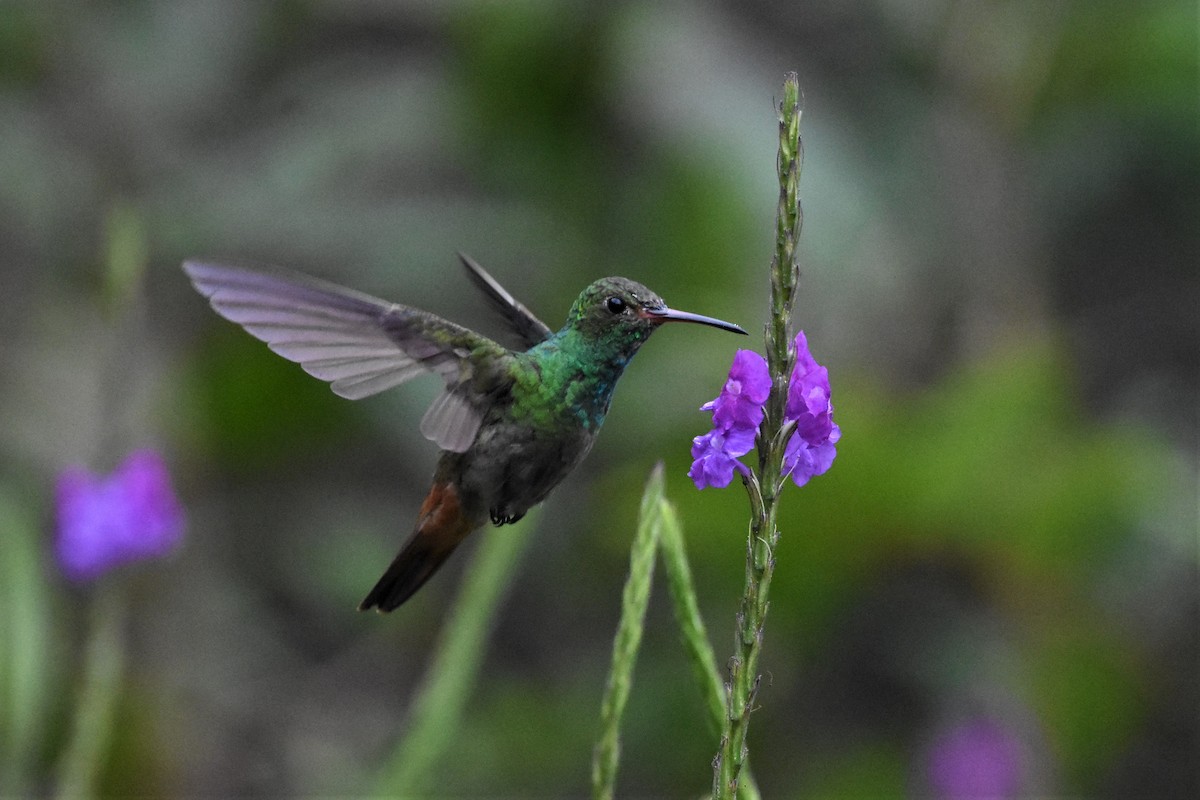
[(622, 314), (609, 321)]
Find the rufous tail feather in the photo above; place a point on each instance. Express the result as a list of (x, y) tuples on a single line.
[(442, 524)]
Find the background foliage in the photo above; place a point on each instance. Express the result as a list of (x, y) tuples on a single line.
[(1000, 270)]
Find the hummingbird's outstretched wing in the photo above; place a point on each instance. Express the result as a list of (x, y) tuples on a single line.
[(529, 328), (361, 344)]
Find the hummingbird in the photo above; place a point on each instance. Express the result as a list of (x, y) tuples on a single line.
[(511, 424)]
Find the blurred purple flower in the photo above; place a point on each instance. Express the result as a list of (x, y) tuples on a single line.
[(976, 759), (106, 522), (810, 451)]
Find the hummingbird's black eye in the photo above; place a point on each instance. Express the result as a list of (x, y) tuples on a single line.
[(615, 304)]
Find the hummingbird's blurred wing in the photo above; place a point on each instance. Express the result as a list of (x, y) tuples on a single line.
[(361, 344), (529, 328)]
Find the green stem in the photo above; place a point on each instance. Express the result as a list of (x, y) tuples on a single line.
[(104, 664), (634, 600), (104, 656), (764, 493), (454, 667)]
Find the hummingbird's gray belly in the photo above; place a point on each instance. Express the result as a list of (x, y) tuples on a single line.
[(512, 467)]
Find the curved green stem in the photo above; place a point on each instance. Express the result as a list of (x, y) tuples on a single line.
[(634, 600), (454, 667)]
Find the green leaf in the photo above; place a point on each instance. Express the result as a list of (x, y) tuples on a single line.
[(634, 602), (26, 670)]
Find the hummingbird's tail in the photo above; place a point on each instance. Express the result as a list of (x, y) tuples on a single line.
[(442, 524)]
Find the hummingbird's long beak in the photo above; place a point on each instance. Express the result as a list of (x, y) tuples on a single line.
[(664, 314)]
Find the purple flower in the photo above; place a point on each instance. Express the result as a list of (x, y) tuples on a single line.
[(106, 522), (740, 403), (804, 461), (810, 451), (738, 412), (976, 759), (716, 456), (808, 395)]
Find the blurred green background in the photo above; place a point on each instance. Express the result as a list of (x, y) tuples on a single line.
[(1000, 268)]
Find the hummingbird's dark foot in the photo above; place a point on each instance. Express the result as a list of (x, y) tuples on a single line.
[(499, 519)]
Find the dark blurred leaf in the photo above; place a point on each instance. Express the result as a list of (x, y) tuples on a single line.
[(251, 409), (1087, 692), (1130, 57), (23, 41), (876, 770)]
